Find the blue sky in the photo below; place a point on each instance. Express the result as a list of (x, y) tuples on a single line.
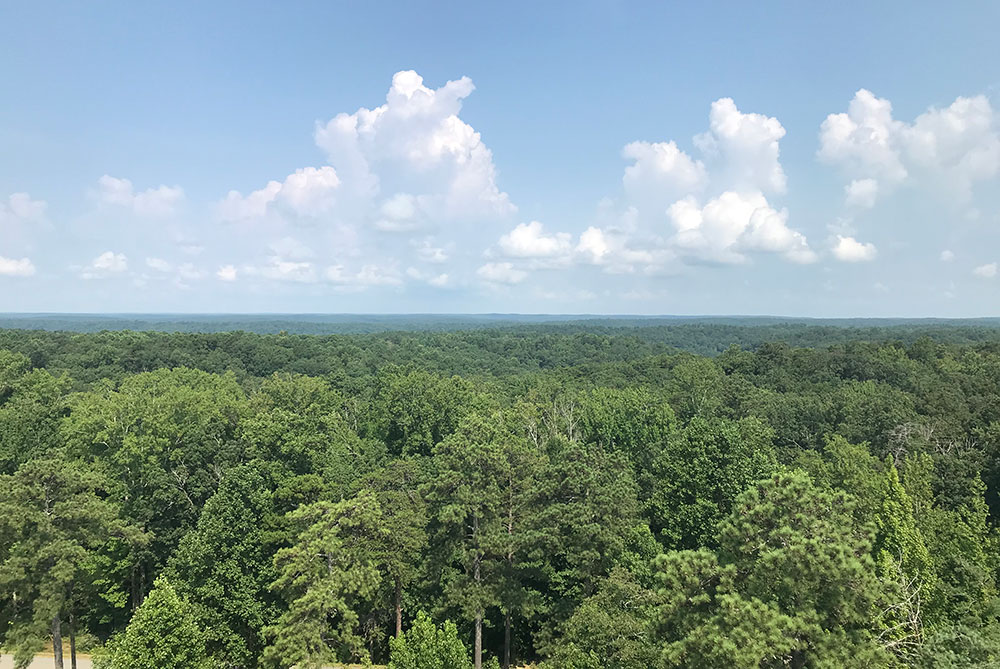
[(585, 157)]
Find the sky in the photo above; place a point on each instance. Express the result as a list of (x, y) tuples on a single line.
[(600, 157)]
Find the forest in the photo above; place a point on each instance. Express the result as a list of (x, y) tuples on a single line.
[(564, 496)]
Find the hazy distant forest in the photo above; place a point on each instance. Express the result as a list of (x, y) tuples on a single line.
[(571, 496)]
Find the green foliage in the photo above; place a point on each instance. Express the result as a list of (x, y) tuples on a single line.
[(53, 519), (426, 646), (793, 584), (520, 480), (225, 567), (700, 473), (163, 634), (613, 629)]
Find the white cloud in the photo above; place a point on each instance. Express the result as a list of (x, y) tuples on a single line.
[(437, 280), (610, 249), (663, 218), (947, 256), (528, 240), (660, 173), (154, 202), (427, 252), (107, 264), (281, 269), (368, 275), (309, 191), (501, 272), (417, 153), (747, 145), (16, 267), (733, 223), (861, 193), (158, 264), (958, 146), (21, 207), (863, 140), (987, 271), (226, 273), (952, 148), (848, 249)]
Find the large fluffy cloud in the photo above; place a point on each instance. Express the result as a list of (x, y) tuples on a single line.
[(665, 187), (955, 147), (415, 153), (727, 227), (745, 146), (399, 176)]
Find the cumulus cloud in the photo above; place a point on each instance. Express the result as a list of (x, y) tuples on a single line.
[(528, 240), (987, 271), (309, 191), (413, 157), (610, 248), (501, 272), (154, 202), (107, 264), (746, 146), (226, 273), (728, 226), (660, 173), (848, 249), (954, 148), (666, 214), (16, 267), (947, 256)]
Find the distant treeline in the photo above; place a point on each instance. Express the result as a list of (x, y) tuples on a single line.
[(87, 356)]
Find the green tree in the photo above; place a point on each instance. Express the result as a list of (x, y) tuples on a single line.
[(163, 439), (426, 646), (610, 630), (32, 403), (53, 518), (326, 575), (225, 565), (793, 584), (163, 634), (482, 496), (404, 516), (698, 476)]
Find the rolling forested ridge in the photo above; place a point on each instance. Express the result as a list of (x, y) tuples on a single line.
[(570, 495)]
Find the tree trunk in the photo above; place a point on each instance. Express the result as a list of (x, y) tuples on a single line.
[(478, 652), (399, 607), (57, 650), (506, 640), (72, 641)]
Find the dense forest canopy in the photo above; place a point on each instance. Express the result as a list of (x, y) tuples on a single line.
[(579, 495)]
